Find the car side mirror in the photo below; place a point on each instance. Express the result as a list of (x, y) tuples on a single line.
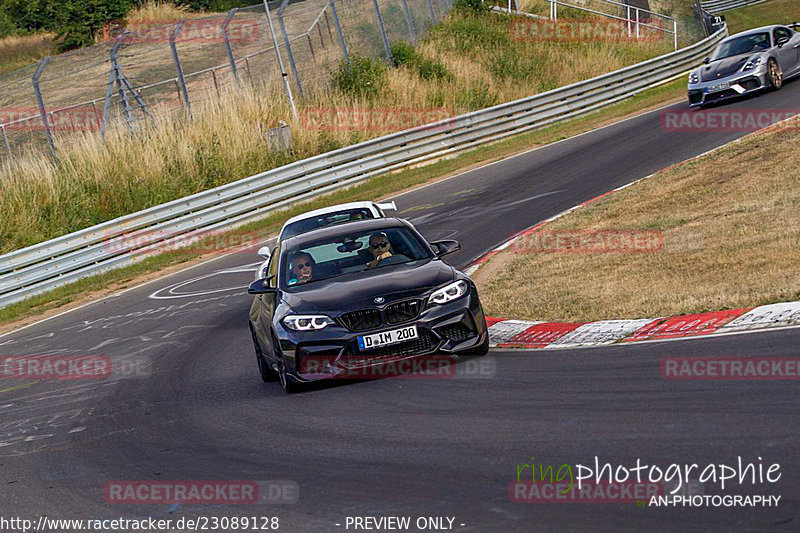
[(706, 60), (264, 252), (261, 286), (445, 247), (782, 41)]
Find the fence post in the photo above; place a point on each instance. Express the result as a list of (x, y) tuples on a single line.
[(110, 87), (40, 102), (384, 38), (285, 76), (328, 23), (227, 42), (675, 33), (181, 80), (433, 13), (339, 32), (410, 22), (5, 140), (289, 47)]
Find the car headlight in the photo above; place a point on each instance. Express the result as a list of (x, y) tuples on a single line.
[(450, 292), (752, 63), (694, 78), (307, 322)]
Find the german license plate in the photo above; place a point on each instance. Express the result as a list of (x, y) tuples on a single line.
[(718, 88), (384, 338)]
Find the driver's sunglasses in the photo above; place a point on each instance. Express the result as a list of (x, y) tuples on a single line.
[(298, 266), (377, 245)]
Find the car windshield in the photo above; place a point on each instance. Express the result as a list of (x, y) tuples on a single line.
[(349, 253), (746, 44), (329, 219)]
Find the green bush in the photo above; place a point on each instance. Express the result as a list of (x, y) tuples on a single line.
[(78, 21), (476, 97), (472, 5), (361, 76), (7, 27), (405, 55)]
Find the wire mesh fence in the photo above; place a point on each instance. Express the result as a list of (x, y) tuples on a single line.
[(144, 71)]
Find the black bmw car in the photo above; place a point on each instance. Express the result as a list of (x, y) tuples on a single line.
[(361, 295)]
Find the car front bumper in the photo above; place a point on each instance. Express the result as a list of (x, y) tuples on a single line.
[(443, 332), (736, 85)]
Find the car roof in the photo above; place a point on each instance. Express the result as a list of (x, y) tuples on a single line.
[(358, 226), (328, 210), (762, 29)]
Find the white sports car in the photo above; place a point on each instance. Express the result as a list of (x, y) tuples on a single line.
[(320, 218)]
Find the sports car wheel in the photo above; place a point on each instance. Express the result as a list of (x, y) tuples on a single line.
[(774, 75), (266, 372), (288, 385)]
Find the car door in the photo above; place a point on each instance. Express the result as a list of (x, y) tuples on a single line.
[(268, 303), (785, 50), (794, 45)]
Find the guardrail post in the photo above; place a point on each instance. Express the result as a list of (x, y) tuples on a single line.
[(181, 80), (410, 22), (227, 42), (284, 75), (339, 31), (40, 103), (637, 23), (384, 38), (289, 47), (5, 140)]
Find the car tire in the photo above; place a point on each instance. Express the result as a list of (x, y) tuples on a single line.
[(266, 372), (774, 75), (289, 386)]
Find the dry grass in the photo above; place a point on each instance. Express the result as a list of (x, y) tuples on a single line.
[(18, 51), (94, 183), (164, 12), (730, 227)]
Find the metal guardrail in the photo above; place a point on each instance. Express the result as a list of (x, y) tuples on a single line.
[(718, 6), (50, 264)]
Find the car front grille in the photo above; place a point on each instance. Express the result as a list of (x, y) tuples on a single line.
[(362, 319), (422, 344), (396, 313), (402, 311)]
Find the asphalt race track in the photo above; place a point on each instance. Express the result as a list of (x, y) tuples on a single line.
[(192, 407)]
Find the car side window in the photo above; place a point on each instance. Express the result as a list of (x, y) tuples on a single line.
[(781, 33)]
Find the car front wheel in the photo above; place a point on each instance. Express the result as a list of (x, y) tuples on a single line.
[(774, 75), (266, 371)]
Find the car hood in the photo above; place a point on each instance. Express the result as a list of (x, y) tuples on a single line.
[(357, 291), (718, 70)]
